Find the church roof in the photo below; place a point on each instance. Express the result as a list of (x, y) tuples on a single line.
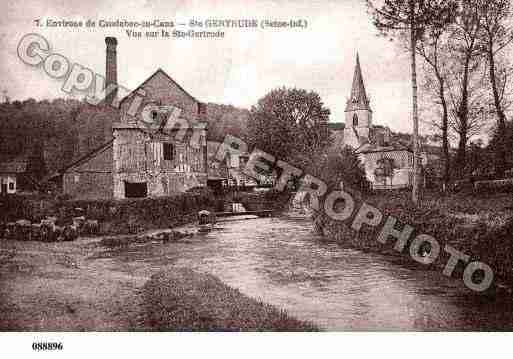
[(358, 99)]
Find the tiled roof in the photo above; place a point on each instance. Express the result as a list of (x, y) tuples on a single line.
[(14, 166)]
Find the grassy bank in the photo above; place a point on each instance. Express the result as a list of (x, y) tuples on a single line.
[(184, 300), (478, 225)]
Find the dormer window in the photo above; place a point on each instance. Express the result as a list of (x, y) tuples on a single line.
[(355, 120)]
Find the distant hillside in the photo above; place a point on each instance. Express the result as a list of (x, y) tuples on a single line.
[(64, 129), (45, 126), (226, 119)]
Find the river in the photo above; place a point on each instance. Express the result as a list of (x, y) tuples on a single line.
[(282, 262)]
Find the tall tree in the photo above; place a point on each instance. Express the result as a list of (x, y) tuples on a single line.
[(466, 52), (496, 34), (433, 49), (290, 124), (394, 18)]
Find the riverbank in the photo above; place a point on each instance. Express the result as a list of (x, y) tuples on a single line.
[(185, 300), (84, 286), (477, 225)]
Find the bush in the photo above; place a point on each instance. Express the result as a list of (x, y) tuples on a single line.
[(484, 242), (332, 168)]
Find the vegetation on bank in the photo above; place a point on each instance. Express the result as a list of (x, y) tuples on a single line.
[(128, 216), (185, 300), (477, 225)]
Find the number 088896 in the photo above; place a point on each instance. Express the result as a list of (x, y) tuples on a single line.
[(42, 346)]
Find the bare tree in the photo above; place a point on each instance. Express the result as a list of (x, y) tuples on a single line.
[(396, 17), (496, 34), (466, 51), (433, 49)]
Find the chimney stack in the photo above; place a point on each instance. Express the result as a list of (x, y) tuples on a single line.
[(111, 68)]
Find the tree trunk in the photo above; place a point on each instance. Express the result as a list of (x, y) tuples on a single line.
[(463, 119), (445, 133), (415, 115), (500, 151)]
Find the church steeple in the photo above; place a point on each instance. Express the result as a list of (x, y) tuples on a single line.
[(358, 99), (358, 114)]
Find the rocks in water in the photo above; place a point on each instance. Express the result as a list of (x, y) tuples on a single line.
[(166, 236)]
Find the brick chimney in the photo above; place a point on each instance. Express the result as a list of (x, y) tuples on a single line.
[(111, 68)]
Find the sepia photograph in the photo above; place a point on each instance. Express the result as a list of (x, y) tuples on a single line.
[(279, 166)]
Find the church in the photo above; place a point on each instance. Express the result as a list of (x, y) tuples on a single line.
[(387, 159)]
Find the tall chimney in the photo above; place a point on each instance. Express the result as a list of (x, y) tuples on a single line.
[(111, 68)]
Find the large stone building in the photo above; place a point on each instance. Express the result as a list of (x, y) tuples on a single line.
[(388, 161), (130, 159)]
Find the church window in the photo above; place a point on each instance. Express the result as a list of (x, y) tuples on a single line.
[(355, 120)]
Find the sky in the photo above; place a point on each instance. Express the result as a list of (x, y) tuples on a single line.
[(237, 69)]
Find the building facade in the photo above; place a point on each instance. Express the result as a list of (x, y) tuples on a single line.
[(137, 159), (388, 162)]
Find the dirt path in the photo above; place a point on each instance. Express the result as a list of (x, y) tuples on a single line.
[(66, 287)]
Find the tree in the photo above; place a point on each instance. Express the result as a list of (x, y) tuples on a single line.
[(506, 140), (341, 166), (290, 124), (466, 51), (433, 49), (496, 34), (395, 17)]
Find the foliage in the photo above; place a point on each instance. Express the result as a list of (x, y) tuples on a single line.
[(226, 120), (58, 131), (290, 124), (344, 166), (39, 127), (507, 137), (479, 226), (399, 17)]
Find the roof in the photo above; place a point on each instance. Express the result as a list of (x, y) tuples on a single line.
[(336, 126), (358, 99), (88, 156), (14, 166), (159, 70), (373, 147)]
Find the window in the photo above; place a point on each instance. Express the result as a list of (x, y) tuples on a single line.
[(169, 151), (355, 120), (77, 178), (11, 186), (136, 190)]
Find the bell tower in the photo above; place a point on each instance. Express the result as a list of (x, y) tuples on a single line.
[(358, 114)]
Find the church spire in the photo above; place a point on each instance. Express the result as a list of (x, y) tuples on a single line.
[(358, 99)]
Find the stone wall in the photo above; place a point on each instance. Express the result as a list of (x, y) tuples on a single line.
[(91, 179)]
